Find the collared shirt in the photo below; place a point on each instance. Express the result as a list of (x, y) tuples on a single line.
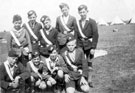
[(18, 33), (53, 63), (65, 18), (32, 24), (72, 55), (49, 30), (84, 21)]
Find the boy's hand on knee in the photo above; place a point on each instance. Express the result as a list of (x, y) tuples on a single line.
[(38, 82), (67, 78), (53, 81), (14, 84)]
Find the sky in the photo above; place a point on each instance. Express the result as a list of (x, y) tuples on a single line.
[(105, 9)]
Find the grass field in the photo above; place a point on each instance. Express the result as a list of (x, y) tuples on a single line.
[(115, 72)]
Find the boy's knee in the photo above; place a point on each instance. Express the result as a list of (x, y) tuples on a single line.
[(49, 83), (42, 85), (60, 73), (70, 90), (85, 88)]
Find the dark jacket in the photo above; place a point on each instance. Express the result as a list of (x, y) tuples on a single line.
[(80, 62), (36, 30), (20, 70), (52, 36), (90, 30)]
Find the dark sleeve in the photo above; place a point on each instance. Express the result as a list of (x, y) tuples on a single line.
[(57, 24), (24, 72), (39, 36), (84, 64), (39, 28), (75, 27), (4, 84), (55, 37), (29, 41), (63, 65), (95, 34)]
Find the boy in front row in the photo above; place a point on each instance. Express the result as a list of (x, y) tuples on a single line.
[(39, 77), (57, 68), (13, 75), (78, 67)]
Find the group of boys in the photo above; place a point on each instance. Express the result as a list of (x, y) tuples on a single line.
[(60, 57)]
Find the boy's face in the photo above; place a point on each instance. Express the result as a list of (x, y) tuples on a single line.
[(83, 13), (36, 60), (12, 60), (17, 24), (53, 55), (65, 11), (32, 18), (71, 45), (47, 23)]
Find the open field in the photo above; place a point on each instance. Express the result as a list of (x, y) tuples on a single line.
[(115, 72)]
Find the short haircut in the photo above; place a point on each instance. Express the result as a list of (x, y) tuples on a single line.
[(17, 18), (62, 5), (82, 7)]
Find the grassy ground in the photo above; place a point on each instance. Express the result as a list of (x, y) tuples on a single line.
[(114, 73)]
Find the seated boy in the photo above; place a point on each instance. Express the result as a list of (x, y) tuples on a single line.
[(13, 75), (78, 67), (56, 68), (38, 73)]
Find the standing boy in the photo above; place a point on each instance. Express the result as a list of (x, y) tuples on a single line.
[(33, 28), (65, 24), (87, 34)]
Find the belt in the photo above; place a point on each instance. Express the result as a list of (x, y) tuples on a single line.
[(84, 39), (33, 42)]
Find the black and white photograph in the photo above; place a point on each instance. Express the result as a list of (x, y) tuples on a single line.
[(67, 46)]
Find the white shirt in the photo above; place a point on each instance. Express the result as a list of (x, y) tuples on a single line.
[(65, 18), (83, 22), (72, 55)]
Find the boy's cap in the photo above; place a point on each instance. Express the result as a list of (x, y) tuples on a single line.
[(31, 12), (44, 17)]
